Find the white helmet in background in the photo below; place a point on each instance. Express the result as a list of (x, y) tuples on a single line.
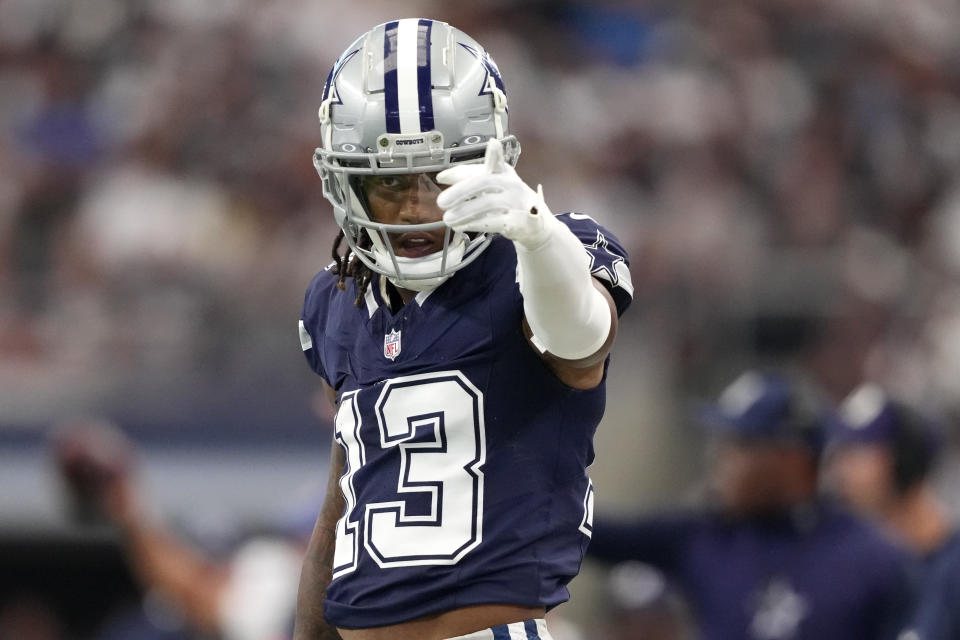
[(408, 96)]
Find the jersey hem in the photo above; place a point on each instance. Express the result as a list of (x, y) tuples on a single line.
[(350, 617)]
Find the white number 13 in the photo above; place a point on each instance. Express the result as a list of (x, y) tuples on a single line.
[(444, 412)]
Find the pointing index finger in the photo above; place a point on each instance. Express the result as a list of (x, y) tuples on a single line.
[(494, 156)]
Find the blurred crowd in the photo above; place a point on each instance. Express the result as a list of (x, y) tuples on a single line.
[(784, 173), (777, 160)]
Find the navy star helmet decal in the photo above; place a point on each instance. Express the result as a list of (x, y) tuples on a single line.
[(330, 88), (490, 67)]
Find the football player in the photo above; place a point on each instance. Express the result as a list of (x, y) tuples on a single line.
[(884, 455), (767, 558), (463, 332)]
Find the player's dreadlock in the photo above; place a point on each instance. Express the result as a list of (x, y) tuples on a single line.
[(348, 265)]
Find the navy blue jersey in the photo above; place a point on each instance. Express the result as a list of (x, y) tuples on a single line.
[(465, 480), (938, 611), (822, 574)]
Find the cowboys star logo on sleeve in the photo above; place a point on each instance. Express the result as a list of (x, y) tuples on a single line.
[(614, 269), (391, 345)]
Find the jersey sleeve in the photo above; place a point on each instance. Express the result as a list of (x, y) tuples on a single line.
[(894, 599), (609, 262), (937, 615), (660, 541), (311, 327)]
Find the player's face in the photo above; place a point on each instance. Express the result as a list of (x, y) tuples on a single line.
[(861, 475), (748, 477), (407, 199)]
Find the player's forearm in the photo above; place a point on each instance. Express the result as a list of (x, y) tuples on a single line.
[(317, 569), (190, 581), (314, 580), (570, 318)]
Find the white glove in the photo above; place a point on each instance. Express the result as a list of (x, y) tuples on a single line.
[(569, 317), (491, 198)]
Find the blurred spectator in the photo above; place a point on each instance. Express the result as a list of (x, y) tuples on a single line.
[(883, 460), (769, 560), (248, 596), (156, 170)]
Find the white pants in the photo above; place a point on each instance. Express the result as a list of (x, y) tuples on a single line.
[(534, 629)]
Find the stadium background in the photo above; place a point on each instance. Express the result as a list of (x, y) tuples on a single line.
[(785, 174)]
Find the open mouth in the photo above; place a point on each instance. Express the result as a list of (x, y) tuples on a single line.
[(417, 244)]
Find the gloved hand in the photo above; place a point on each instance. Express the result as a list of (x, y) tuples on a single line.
[(492, 198)]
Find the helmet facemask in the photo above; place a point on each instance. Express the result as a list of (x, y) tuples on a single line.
[(370, 240)]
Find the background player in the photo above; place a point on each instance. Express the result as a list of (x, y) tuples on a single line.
[(467, 354), (769, 560), (884, 457)]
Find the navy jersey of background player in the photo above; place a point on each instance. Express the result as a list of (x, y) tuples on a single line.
[(938, 605), (816, 574), (465, 477)]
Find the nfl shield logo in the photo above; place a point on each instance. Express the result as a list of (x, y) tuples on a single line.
[(391, 345)]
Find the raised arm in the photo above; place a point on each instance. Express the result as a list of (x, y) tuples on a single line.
[(579, 373), (96, 461), (660, 541), (569, 317), (318, 564)]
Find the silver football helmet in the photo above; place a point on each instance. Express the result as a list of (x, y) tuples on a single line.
[(408, 96)]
